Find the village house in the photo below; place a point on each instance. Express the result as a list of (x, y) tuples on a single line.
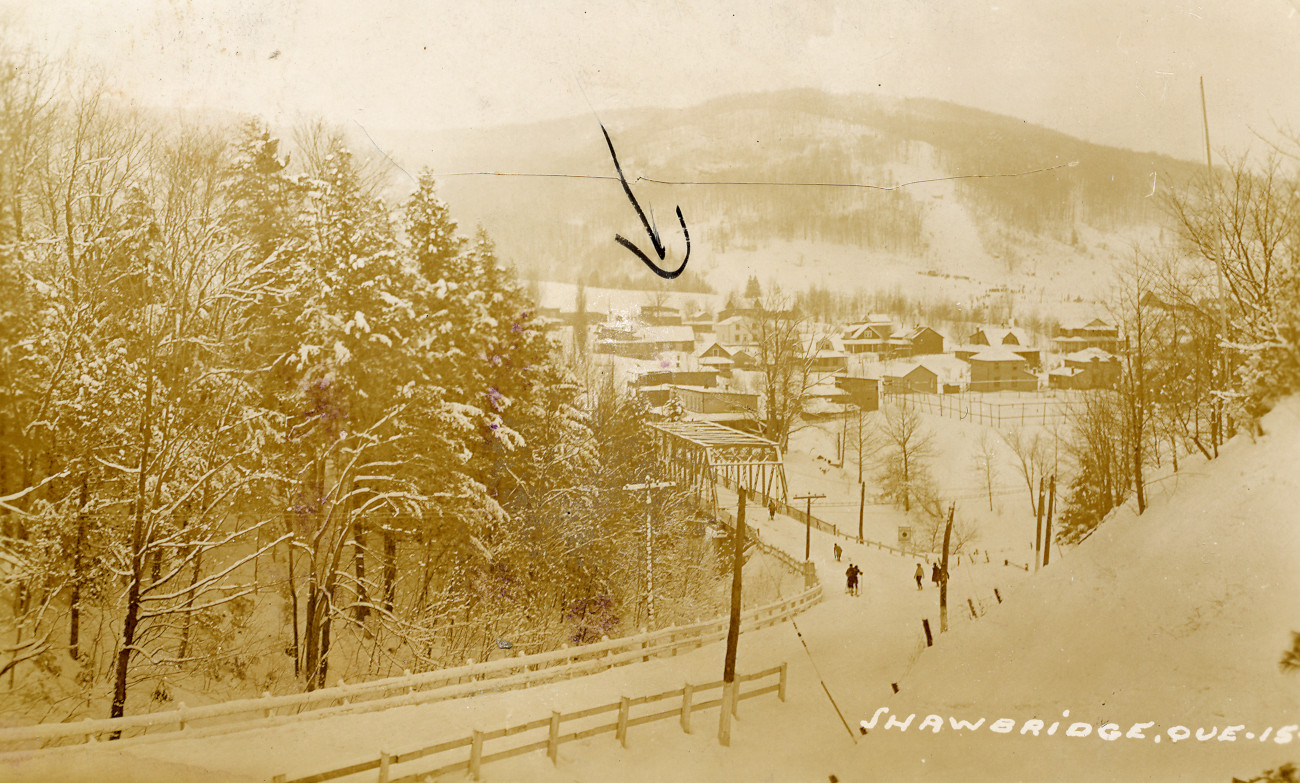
[(701, 323), (826, 400), (998, 368), (1012, 338), (1076, 337), (924, 341), (998, 335), (622, 339), (878, 336), (735, 330), (871, 336), (716, 356), (705, 378), (1091, 368), (733, 408), (863, 392), (661, 315), (910, 378), (829, 357), (724, 358)]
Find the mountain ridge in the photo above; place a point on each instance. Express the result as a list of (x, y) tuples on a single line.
[(1028, 200)]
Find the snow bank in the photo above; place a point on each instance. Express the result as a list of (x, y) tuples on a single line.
[(1175, 618)]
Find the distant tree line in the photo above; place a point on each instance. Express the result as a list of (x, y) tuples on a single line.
[(1210, 334)]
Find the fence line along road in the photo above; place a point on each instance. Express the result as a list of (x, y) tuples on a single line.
[(508, 673), (802, 517), (477, 739), (1031, 408)]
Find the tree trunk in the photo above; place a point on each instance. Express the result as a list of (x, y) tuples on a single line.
[(74, 602), (322, 670), (733, 628), (189, 602), (361, 611), (943, 572), (138, 551), (311, 630), (1138, 487), (293, 600), (390, 570)]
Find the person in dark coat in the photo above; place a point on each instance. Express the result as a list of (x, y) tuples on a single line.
[(771, 510), (920, 574), (853, 574), (934, 575), (838, 552)]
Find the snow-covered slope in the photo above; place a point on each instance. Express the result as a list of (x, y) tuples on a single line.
[(1176, 618)]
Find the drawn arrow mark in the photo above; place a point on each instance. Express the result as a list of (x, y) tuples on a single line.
[(660, 250)]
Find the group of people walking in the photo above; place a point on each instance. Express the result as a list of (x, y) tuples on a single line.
[(853, 576), (935, 575)]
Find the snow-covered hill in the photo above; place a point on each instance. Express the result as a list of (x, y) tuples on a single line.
[(983, 199), (1175, 618)]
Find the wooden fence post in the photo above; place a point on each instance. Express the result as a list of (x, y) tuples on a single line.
[(180, 711), (553, 741), (384, 760), (476, 754), (688, 694), (266, 711), (624, 706), (780, 688)]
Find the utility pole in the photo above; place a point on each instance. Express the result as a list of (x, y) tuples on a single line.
[(733, 631), (862, 507), (1047, 536), (649, 559), (1217, 425), (943, 573), (1038, 533), (807, 536)]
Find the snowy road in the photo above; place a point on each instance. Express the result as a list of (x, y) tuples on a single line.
[(855, 646)]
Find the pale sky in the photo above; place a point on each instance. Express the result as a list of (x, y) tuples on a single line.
[(1120, 72)]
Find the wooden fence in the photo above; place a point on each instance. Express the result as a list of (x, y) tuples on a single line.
[(797, 566), (1029, 408), (519, 672), (475, 742), (801, 516)]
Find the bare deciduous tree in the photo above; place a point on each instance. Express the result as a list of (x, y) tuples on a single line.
[(986, 463), (910, 448)]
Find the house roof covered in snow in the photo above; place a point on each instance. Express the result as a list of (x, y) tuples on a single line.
[(998, 335), (997, 353), (1090, 354)]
